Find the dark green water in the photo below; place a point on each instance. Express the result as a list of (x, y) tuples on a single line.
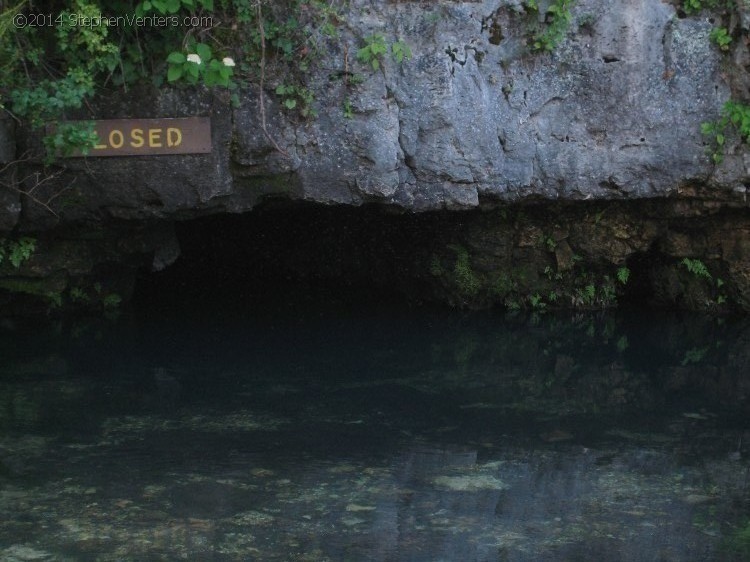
[(342, 432)]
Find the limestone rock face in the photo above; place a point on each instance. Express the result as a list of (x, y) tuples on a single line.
[(614, 112)]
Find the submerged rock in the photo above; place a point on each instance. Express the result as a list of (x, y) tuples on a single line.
[(23, 553), (470, 483)]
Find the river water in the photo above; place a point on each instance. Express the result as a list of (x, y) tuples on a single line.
[(340, 431)]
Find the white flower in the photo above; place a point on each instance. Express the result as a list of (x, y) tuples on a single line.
[(194, 58), (228, 61)]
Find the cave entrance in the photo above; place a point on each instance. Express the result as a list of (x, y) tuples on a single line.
[(640, 290), (294, 250)]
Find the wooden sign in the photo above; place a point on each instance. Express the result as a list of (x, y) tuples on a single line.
[(148, 137)]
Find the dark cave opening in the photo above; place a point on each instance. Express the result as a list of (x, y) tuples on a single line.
[(295, 250), (639, 289)]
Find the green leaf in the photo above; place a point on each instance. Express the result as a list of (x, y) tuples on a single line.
[(112, 300), (204, 52), (174, 73), (290, 103), (363, 54), (176, 58)]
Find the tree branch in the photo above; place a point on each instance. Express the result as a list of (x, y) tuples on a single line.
[(261, 98), (13, 184)]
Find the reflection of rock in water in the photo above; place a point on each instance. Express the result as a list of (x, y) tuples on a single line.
[(168, 388)]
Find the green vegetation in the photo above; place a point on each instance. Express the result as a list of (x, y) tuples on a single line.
[(735, 117), (556, 22), (17, 251), (537, 302), (78, 295), (503, 285), (548, 242), (94, 297), (348, 109), (466, 279), (298, 97), (400, 51), (623, 274), (721, 37), (695, 6), (200, 66), (54, 299), (111, 300), (694, 355), (371, 54), (586, 295), (522, 287), (697, 268), (86, 296)]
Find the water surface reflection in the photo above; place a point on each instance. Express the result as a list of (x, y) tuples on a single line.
[(334, 433)]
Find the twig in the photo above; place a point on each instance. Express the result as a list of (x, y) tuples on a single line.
[(346, 65), (13, 184), (32, 197), (9, 112), (261, 100)]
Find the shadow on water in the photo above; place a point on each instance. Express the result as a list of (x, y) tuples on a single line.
[(306, 429)]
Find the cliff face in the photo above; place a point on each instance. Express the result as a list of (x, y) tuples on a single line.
[(475, 119)]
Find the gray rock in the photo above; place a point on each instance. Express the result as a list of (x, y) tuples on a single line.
[(613, 112)]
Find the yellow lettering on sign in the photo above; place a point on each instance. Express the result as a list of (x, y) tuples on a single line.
[(131, 137), (154, 138), (174, 137), (116, 140), (136, 138)]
